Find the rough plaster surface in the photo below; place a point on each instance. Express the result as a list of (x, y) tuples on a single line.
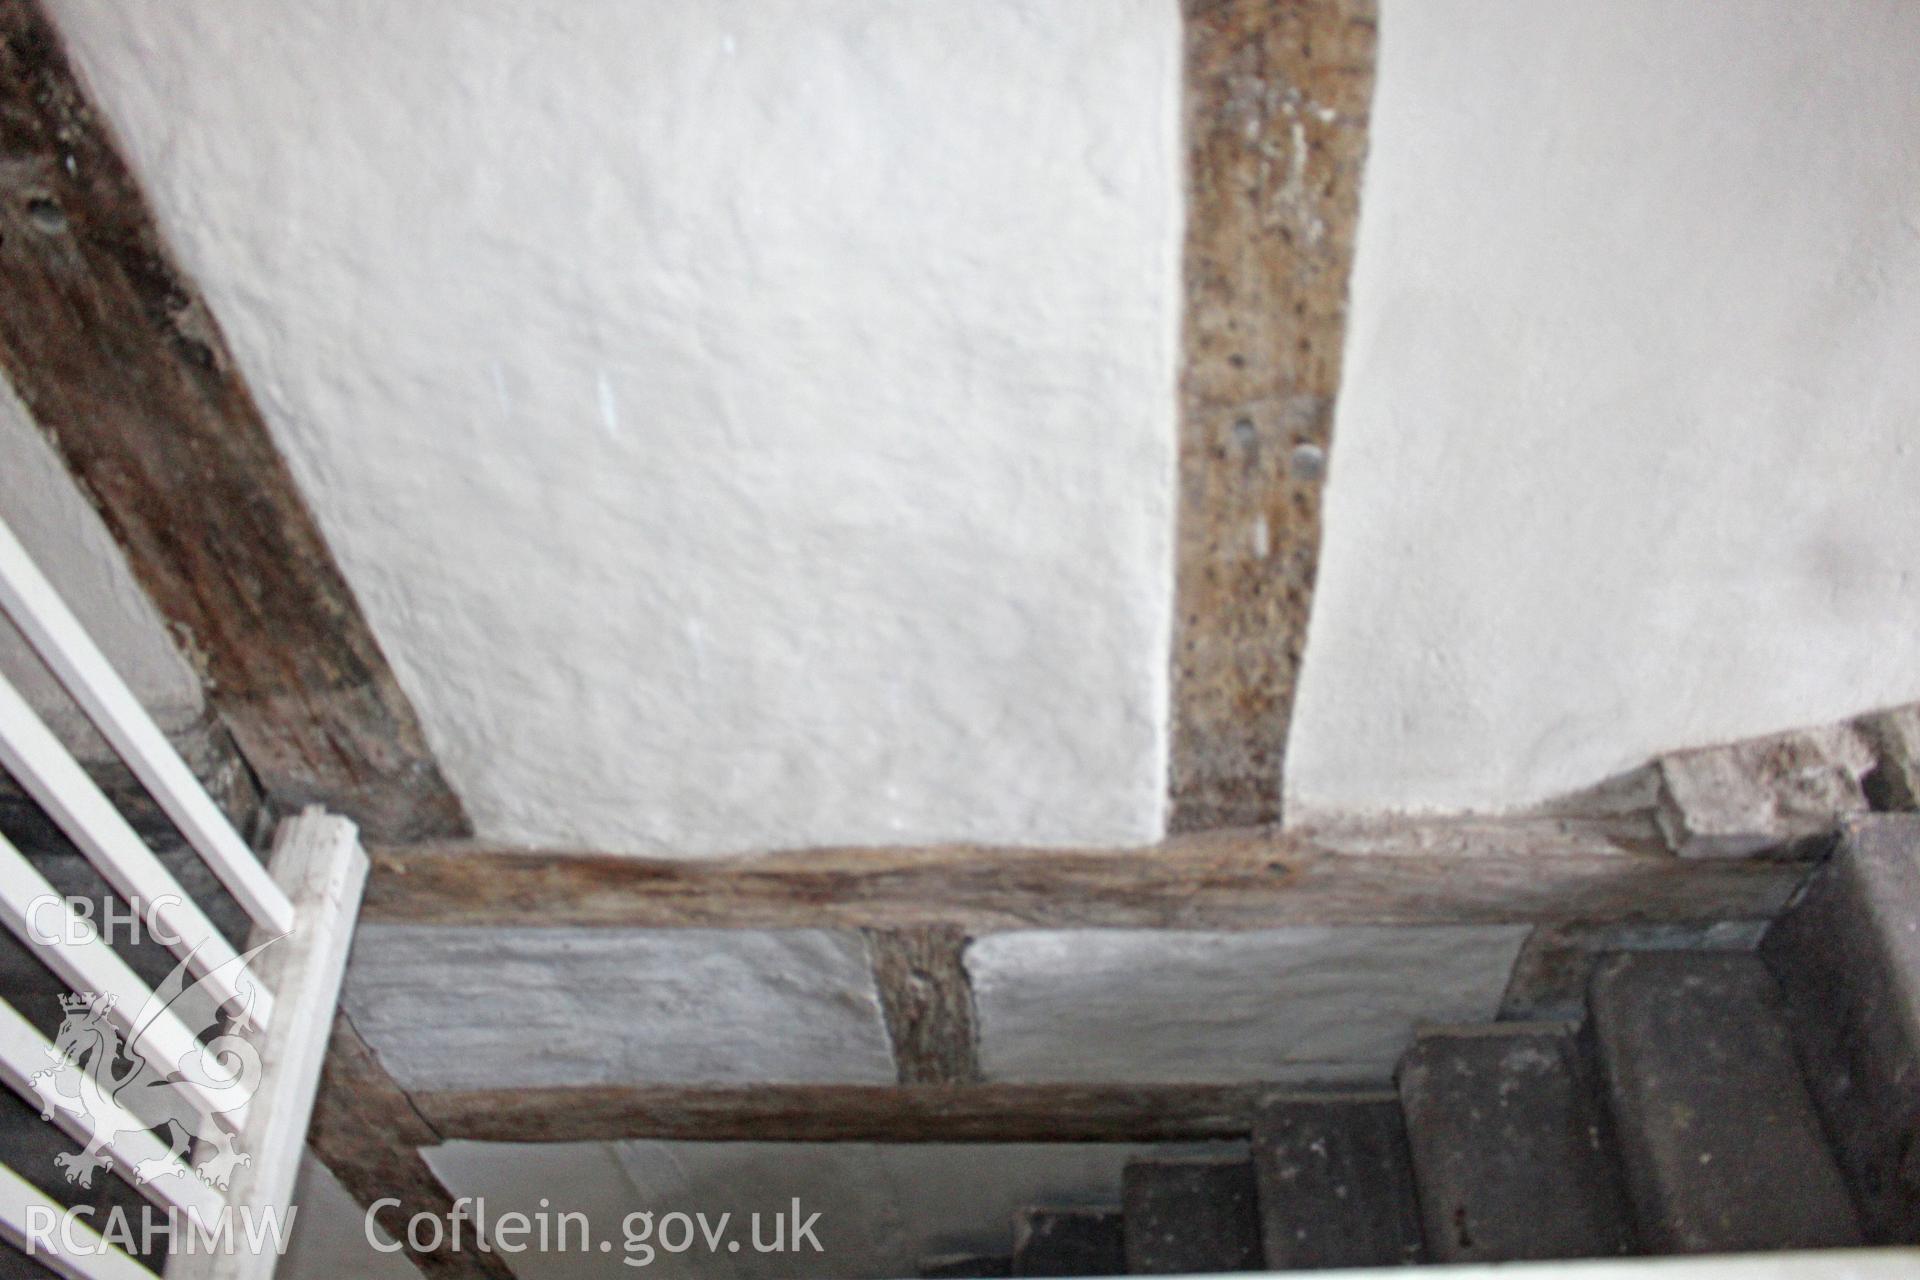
[(453, 1008), (744, 424), (1335, 1005), (882, 1207), (46, 511), (1625, 447)]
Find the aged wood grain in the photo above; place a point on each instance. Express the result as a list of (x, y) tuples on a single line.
[(1277, 101), (115, 353), (369, 1134), (928, 1001), (1516, 871), (849, 1113)]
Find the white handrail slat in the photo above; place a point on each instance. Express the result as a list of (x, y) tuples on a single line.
[(63, 644), (24, 1051), (101, 1261), (90, 964), (42, 766)]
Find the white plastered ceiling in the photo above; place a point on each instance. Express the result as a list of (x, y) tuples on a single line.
[(745, 424), (1629, 436)]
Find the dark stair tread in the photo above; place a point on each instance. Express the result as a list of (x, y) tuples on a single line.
[(1511, 1150), (1196, 1216), (1068, 1242), (15, 1265), (1719, 1141), (1848, 962), (29, 1145), (966, 1266), (1336, 1184)]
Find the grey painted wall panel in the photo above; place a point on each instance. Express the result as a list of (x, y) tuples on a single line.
[(1290, 1005), (450, 1008)]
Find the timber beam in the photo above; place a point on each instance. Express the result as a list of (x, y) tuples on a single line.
[(116, 355), (1437, 872), (1278, 98)]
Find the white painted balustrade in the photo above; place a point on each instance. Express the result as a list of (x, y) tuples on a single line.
[(228, 1050)]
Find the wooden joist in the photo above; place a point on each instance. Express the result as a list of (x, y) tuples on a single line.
[(112, 349), (1513, 871), (847, 1113)]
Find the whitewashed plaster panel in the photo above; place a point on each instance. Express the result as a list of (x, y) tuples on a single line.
[(474, 1007), (61, 531), (882, 1207), (745, 424), (1300, 1005), (1626, 450)]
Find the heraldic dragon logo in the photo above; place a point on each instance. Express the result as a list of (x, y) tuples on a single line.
[(119, 1086)]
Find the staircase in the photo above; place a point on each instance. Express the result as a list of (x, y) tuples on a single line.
[(1708, 1102)]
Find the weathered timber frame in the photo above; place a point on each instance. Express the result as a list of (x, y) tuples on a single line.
[(1435, 872), (117, 357), (1277, 103), (123, 366), (921, 975), (920, 908)]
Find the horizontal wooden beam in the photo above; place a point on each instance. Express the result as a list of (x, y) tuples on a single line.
[(849, 1113), (114, 352), (1515, 871)]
